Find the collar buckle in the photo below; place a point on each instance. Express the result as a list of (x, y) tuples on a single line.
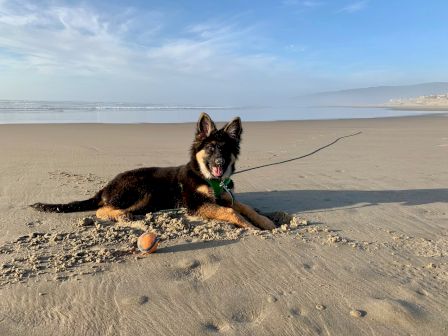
[(219, 186)]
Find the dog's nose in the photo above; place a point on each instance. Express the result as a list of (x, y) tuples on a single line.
[(220, 161)]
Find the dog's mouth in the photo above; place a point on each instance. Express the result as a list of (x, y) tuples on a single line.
[(217, 171)]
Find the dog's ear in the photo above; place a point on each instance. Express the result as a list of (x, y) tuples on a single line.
[(205, 126), (234, 129)]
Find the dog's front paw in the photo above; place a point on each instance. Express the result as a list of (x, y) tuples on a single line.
[(265, 223)]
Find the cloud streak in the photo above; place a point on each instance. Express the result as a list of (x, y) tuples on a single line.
[(354, 7)]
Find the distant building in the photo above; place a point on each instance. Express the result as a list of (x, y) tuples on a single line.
[(430, 100)]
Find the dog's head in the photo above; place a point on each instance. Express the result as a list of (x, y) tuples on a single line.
[(216, 151)]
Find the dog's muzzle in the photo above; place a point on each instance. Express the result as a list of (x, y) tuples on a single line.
[(218, 167)]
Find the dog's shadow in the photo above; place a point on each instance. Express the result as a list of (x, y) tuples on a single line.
[(294, 201), (306, 201)]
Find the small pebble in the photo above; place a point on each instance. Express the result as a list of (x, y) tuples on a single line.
[(320, 307), (143, 299), (272, 298), (87, 221), (356, 313)]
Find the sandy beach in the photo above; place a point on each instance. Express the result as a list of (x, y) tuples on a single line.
[(362, 248)]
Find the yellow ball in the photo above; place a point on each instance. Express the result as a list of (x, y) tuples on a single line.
[(148, 242)]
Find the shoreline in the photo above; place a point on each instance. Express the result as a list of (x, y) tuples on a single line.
[(420, 108), (390, 107), (265, 114), (420, 115)]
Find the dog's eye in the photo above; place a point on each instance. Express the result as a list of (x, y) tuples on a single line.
[(210, 149)]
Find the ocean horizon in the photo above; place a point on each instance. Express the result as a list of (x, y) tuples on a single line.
[(43, 112)]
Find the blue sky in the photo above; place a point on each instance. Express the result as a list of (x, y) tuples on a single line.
[(216, 52)]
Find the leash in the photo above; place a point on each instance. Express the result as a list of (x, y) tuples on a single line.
[(229, 191), (299, 157), (219, 186)]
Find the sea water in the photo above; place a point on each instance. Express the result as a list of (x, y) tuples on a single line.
[(31, 112)]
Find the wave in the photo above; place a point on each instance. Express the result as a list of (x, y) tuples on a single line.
[(166, 107), (43, 106)]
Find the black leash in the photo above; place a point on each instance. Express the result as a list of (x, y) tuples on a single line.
[(262, 166), (300, 157)]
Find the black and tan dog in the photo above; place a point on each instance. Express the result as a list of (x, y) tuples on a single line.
[(198, 185)]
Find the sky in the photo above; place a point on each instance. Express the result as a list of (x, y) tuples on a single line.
[(216, 52)]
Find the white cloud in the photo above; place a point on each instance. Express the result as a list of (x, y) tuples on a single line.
[(79, 40), (73, 39), (354, 7), (123, 50), (212, 50)]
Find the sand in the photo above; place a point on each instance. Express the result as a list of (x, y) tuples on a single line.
[(361, 247)]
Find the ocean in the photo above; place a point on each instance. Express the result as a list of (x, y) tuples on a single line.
[(33, 112)]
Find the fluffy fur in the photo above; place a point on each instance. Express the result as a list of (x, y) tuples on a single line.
[(212, 156)]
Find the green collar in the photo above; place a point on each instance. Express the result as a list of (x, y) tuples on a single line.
[(219, 186)]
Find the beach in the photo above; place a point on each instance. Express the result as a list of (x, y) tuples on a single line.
[(362, 248)]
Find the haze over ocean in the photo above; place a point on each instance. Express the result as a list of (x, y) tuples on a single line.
[(29, 112)]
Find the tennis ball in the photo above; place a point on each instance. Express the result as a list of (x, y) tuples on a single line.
[(148, 242)]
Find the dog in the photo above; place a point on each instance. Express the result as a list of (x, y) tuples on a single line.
[(203, 185)]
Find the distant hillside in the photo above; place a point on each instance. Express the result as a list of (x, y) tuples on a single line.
[(372, 95)]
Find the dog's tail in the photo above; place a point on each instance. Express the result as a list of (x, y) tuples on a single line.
[(77, 206)]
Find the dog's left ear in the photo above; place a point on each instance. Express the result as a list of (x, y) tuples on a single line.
[(234, 129), (205, 126)]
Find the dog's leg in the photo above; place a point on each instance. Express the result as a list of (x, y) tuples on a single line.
[(259, 220), (214, 211), (108, 212), (140, 204)]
